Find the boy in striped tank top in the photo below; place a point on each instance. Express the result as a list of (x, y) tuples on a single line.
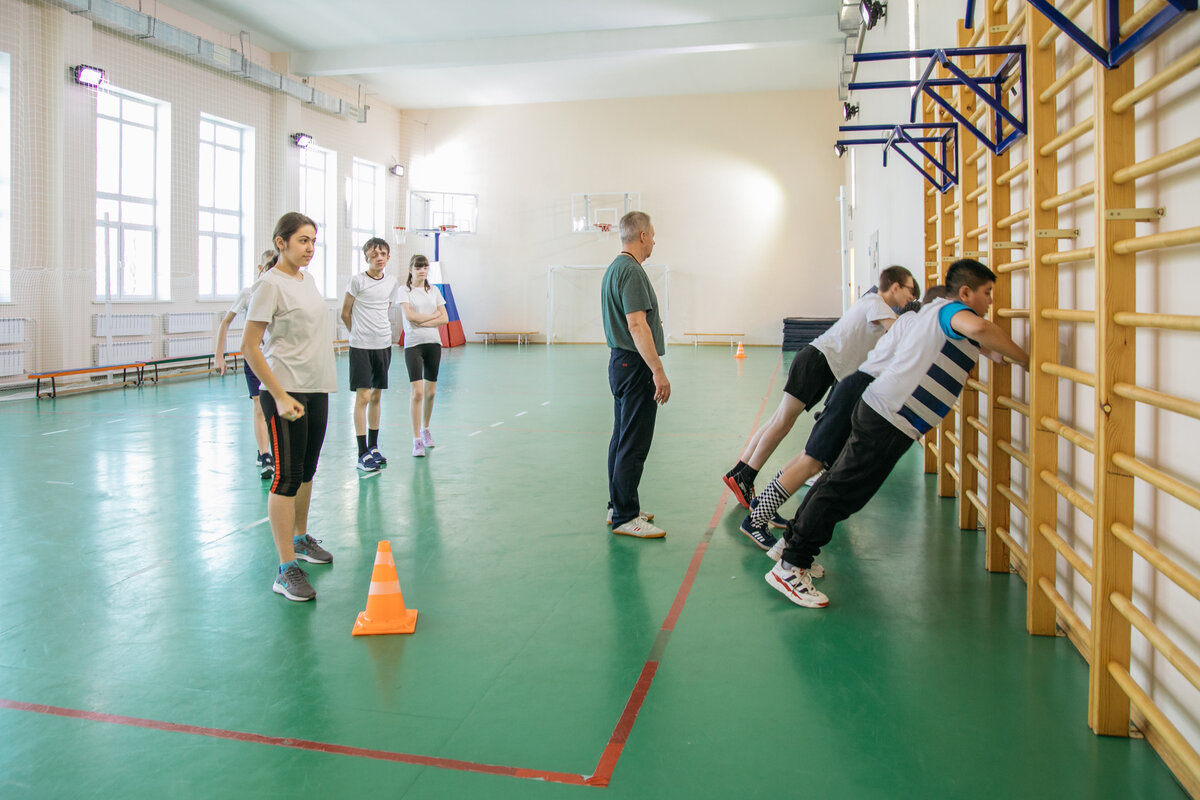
[(933, 358)]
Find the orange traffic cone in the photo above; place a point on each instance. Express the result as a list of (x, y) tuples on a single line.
[(385, 604), (740, 353)]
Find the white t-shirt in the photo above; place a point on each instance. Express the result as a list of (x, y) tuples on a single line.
[(885, 349), (299, 337), (370, 325), (243, 300), (422, 302), (851, 338), (926, 375)]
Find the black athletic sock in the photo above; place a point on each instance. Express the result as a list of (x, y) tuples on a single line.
[(372, 437), (362, 444), (737, 470), (749, 474)]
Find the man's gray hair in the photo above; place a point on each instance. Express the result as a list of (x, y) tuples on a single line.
[(632, 224)]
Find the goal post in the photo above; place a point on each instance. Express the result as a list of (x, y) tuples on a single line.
[(573, 313)]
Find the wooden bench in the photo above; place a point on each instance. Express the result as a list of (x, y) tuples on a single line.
[(494, 337), (136, 366), (184, 361), (697, 337)]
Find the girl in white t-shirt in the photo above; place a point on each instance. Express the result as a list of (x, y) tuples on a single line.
[(423, 311), (265, 461), (296, 366)]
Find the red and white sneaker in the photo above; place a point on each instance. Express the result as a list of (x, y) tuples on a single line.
[(796, 585), (642, 514), (641, 528)]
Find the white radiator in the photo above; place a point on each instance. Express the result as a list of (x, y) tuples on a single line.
[(123, 324), (188, 322), (190, 346), (122, 353), (12, 362), (12, 331)]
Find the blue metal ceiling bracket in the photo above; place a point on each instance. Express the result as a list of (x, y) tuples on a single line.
[(943, 176), (1115, 51), (989, 89)]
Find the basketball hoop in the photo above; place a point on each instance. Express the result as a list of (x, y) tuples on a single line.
[(399, 234), (603, 227)]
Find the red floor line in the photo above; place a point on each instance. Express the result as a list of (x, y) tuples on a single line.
[(616, 742), (297, 744), (604, 768)]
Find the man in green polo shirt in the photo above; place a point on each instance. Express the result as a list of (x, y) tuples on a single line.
[(633, 329)]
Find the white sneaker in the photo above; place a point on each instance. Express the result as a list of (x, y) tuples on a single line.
[(641, 528), (641, 515), (426, 438), (776, 553), (796, 585)]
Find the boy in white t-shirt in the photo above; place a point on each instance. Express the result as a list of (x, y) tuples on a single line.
[(831, 357), (369, 295), (932, 358)]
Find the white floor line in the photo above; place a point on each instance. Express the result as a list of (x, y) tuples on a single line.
[(497, 424), (169, 410), (62, 483), (254, 524), (546, 403), (374, 474), (118, 419), (51, 433), (474, 433), (521, 413)]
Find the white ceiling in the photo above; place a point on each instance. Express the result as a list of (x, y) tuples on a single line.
[(495, 52)]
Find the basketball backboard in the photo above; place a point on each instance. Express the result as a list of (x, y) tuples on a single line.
[(444, 212), (601, 211)]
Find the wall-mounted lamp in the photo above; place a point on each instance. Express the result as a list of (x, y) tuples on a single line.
[(302, 140), (91, 77), (872, 11), (839, 149), (849, 111), (397, 170)]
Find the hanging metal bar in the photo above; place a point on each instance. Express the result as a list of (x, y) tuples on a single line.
[(1115, 50)]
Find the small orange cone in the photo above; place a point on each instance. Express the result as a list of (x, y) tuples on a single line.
[(740, 353), (385, 604)]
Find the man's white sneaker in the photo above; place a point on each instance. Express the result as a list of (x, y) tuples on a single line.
[(641, 515), (796, 585), (641, 528)]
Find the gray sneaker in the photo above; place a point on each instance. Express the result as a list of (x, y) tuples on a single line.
[(293, 584), (310, 550)]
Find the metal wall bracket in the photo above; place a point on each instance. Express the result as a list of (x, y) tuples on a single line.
[(1137, 214), (1117, 50), (989, 89), (943, 174), (1010, 245), (1056, 233)]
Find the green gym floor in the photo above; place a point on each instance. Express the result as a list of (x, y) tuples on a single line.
[(144, 655)]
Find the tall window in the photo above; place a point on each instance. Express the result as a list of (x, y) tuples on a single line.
[(132, 195), (226, 251), (318, 192), (5, 179), (366, 208)]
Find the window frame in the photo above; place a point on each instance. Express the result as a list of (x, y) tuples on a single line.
[(244, 213), (326, 217)]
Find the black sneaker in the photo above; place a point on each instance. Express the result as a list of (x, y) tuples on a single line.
[(266, 466), (293, 584), (758, 533), (743, 492), (378, 456)]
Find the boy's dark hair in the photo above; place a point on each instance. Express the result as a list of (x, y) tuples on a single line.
[(935, 293), (372, 243), (894, 274), (967, 272)]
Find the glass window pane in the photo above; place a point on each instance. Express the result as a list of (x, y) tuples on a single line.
[(108, 104), (228, 179), (110, 207), (137, 213), (228, 265), (204, 260), (229, 136), (108, 156), (137, 111), (104, 265), (314, 204), (137, 275), (206, 221), (206, 175), (227, 223), (137, 162), (206, 131)]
